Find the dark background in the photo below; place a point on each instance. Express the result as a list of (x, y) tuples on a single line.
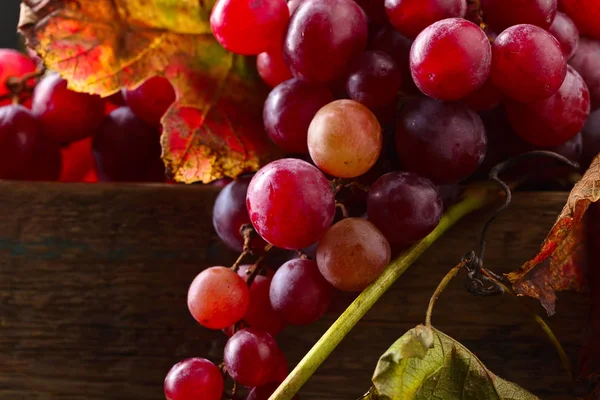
[(9, 16)]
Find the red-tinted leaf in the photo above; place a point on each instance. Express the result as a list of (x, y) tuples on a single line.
[(214, 128)]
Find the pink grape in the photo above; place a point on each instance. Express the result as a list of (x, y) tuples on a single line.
[(404, 207), (249, 27), (260, 314), (410, 17), (555, 120), (272, 68), (344, 139), (391, 42), (151, 99), (290, 203), (288, 111), (501, 14), (442, 141), (194, 379), (299, 292), (564, 30), (13, 64), (450, 59), (251, 357), (218, 297), (528, 63), (586, 61), (323, 38), (585, 14), (352, 254)]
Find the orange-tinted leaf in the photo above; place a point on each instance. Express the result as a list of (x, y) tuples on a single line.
[(558, 265), (214, 128)]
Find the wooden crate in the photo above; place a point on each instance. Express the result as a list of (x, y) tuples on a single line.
[(93, 282)]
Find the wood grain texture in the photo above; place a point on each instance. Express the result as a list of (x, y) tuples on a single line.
[(93, 283)]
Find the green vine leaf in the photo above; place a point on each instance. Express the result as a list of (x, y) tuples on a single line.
[(427, 364)]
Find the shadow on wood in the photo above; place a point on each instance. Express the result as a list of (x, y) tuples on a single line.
[(93, 283)]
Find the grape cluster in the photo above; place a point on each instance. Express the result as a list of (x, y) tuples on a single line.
[(49, 132), (382, 107)]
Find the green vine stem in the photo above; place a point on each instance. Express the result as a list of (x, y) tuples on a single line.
[(475, 197)]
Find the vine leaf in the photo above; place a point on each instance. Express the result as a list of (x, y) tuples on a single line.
[(559, 264), (214, 128), (427, 364)]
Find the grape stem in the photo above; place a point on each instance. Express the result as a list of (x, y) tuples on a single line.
[(342, 208), (476, 197), (256, 267), (440, 289), (18, 84)]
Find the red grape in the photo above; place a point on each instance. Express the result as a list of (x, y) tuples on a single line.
[(299, 292), (249, 27), (25, 153), (374, 80), (555, 120), (591, 139), (251, 357), (282, 369), (230, 213), (264, 392), (388, 40), (66, 115), (151, 100), (485, 98), (13, 64), (352, 254), (442, 141), (323, 38), (290, 203), (585, 14), (450, 59), (194, 379), (586, 61), (218, 297), (77, 161), (344, 139), (500, 14), (127, 150), (288, 111), (260, 314), (564, 30), (272, 68), (528, 63), (404, 207), (410, 17), (293, 5)]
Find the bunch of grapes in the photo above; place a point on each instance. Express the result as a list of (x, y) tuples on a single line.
[(382, 107), (51, 133)]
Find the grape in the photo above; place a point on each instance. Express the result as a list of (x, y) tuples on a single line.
[(290, 203), (218, 297), (410, 17), (299, 292), (26, 154), (352, 254), (260, 314), (528, 63), (127, 150), (281, 372), (66, 116), (323, 38), (500, 14), (13, 64), (293, 5), (249, 27), (344, 139), (151, 100), (251, 357), (586, 61), (264, 392), (77, 160), (389, 41), (591, 139), (442, 141), (585, 14), (230, 213), (564, 30), (374, 80), (404, 207), (288, 110), (194, 379), (485, 98), (555, 120), (272, 68), (450, 59)]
